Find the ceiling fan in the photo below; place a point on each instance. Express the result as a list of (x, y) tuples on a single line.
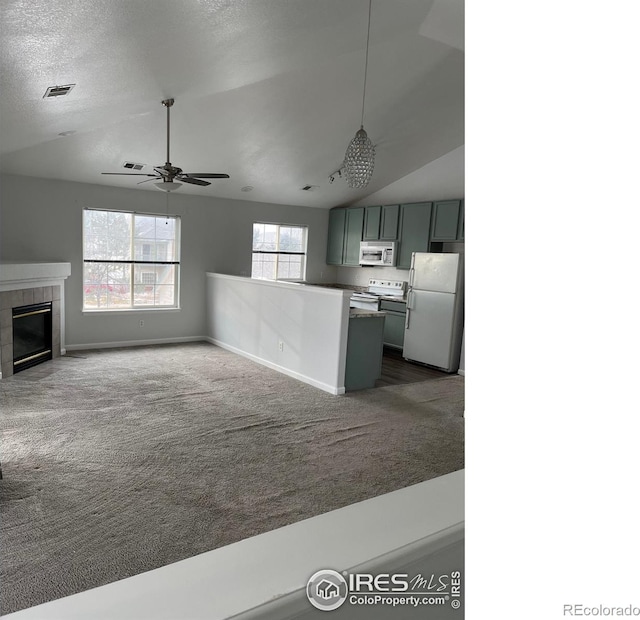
[(170, 174)]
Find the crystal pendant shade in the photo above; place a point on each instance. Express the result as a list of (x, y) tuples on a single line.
[(359, 160)]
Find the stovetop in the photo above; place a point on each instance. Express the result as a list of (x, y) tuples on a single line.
[(379, 289)]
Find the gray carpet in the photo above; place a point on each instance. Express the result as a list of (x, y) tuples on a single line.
[(120, 461)]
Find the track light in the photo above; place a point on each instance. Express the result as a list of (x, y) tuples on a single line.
[(337, 173)]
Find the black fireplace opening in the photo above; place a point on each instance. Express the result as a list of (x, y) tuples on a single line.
[(32, 341)]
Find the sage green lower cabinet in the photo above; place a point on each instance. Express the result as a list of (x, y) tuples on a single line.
[(389, 222), (335, 241), (394, 323), (372, 223), (353, 236), (446, 220), (364, 352), (415, 222)]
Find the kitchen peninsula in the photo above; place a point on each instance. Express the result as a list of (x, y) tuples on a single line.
[(307, 332)]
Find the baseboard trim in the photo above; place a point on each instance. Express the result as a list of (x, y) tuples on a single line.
[(461, 372), (325, 387), (132, 343)]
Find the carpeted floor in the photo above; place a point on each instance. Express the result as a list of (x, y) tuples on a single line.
[(120, 461)]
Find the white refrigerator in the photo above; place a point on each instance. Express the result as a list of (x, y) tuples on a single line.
[(435, 310)]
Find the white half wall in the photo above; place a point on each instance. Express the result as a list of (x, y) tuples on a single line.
[(296, 329)]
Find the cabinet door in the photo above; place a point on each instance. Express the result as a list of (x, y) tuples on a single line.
[(415, 220), (353, 236), (372, 223), (461, 223), (389, 223), (446, 220), (335, 241), (394, 330)]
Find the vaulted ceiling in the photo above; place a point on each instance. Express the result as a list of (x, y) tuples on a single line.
[(268, 91)]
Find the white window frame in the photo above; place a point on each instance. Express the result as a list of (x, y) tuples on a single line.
[(134, 264), (278, 252)]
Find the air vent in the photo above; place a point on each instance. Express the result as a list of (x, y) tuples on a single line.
[(132, 165), (309, 188), (57, 91)]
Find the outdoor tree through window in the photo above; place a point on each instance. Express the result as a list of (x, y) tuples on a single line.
[(279, 252), (131, 260)]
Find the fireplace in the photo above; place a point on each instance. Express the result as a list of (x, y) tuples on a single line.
[(33, 293), (32, 335)]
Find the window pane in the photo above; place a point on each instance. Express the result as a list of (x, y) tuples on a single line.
[(118, 236), (265, 236), (143, 295), (291, 239), (155, 238), (164, 295), (290, 267), (264, 266), (107, 285)]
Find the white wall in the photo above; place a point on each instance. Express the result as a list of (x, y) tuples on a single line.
[(41, 219), (251, 317), (441, 179)]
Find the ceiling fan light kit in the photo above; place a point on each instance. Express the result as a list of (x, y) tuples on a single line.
[(169, 175), (360, 156), (168, 186)]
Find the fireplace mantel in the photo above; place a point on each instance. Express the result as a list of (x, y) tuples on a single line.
[(24, 283), (15, 275)]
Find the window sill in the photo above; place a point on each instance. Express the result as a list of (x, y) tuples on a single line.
[(130, 310)]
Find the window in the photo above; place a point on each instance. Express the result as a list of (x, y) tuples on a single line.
[(279, 252), (131, 260)]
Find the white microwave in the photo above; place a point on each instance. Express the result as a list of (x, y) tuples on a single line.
[(381, 253)]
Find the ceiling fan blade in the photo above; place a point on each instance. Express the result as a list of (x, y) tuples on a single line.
[(193, 181), (131, 174), (153, 178), (206, 175)]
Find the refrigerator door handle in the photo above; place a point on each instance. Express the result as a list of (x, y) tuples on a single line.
[(410, 299), (406, 320), (411, 274)]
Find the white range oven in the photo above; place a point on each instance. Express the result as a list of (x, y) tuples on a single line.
[(377, 290)]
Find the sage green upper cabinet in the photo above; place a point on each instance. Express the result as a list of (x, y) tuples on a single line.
[(372, 223), (389, 222), (335, 242), (381, 223), (446, 220), (461, 223), (353, 236), (415, 220)]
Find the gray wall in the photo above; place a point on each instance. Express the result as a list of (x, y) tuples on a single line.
[(41, 220)]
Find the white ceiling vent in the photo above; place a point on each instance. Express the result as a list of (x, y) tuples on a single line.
[(57, 91), (132, 166)]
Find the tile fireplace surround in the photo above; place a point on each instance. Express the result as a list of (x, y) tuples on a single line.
[(21, 284)]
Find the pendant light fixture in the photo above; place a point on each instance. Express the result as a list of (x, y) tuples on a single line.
[(360, 155)]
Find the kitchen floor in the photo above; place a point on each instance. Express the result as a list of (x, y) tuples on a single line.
[(396, 370)]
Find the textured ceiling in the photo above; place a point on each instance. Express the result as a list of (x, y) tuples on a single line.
[(268, 91)]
